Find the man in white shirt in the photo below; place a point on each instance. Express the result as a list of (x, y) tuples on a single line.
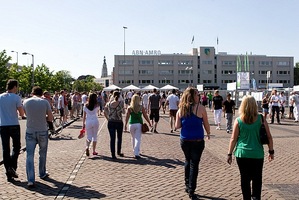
[(173, 102), (61, 105)]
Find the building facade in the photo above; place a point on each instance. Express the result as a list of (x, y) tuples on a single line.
[(199, 67)]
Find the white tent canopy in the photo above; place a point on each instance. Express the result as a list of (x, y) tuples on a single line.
[(111, 87), (149, 87), (131, 87), (168, 87)]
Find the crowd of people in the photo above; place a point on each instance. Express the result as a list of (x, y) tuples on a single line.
[(187, 111)]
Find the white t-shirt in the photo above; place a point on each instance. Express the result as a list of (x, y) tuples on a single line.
[(84, 99), (60, 102), (283, 100), (145, 99), (173, 102)]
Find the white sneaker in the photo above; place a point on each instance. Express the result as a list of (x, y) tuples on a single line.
[(217, 128)]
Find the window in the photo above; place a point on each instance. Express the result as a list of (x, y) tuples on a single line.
[(165, 72), (146, 62), (146, 72), (265, 63), (125, 72), (283, 63), (283, 72), (207, 71), (228, 72), (145, 81), (185, 62), (207, 81), (125, 62), (165, 62), (185, 72), (207, 62), (228, 62)]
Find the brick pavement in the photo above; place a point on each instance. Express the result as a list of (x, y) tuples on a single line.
[(159, 174)]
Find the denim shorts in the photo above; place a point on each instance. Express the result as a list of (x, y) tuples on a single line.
[(265, 110)]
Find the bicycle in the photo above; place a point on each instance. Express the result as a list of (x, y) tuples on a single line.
[(57, 127)]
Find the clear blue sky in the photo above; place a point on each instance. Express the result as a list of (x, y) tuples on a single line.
[(75, 35)]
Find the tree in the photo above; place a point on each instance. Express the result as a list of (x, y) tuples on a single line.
[(43, 77), (62, 80), (4, 59)]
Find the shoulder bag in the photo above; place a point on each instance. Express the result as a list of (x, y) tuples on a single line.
[(263, 133)]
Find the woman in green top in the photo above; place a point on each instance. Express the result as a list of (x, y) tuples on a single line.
[(134, 113), (249, 151)]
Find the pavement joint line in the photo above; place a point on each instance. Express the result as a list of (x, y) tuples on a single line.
[(73, 174)]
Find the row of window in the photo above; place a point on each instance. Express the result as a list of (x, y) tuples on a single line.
[(160, 62)]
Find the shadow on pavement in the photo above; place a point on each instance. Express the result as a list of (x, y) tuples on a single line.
[(207, 197), (55, 188), (144, 160)]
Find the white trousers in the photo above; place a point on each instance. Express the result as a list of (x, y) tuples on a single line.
[(296, 112), (92, 128), (217, 116), (135, 130)]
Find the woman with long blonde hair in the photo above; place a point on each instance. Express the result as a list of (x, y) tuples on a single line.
[(134, 116), (247, 147)]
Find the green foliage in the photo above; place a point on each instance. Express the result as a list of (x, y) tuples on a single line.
[(4, 59), (43, 77)]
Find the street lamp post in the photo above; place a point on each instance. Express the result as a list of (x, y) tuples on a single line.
[(17, 56), (124, 63), (32, 65)]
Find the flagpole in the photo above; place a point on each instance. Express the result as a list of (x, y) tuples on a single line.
[(217, 45)]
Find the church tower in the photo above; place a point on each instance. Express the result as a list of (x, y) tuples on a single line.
[(104, 69)]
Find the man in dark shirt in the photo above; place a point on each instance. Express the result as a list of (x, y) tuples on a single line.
[(154, 105), (229, 111), (217, 108)]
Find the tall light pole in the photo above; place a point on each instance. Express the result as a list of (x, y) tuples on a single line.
[(17, 56), (124, 63), (32, 65)]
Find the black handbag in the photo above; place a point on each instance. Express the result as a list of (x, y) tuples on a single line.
[(263, 133)]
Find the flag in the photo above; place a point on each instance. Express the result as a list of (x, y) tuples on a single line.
[(217, 41), (192, 40)]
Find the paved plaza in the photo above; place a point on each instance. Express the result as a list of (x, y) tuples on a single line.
[(160, 172)]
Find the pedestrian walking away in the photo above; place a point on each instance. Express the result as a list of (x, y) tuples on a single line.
[(113, 113), (193, 119), (154, 106), (91, 123), (217, 108), (172, 101), (10, 106), (246, 145), (134, 117), (229, 112), (39, 115)]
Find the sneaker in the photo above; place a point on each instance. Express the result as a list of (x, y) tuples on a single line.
[(175, 129), (155, 131), (45, 176), (137, 157), (95, 153), (217, 128), (30, 185), (87, 152), (152, 129), (171, 131), (227, 131)]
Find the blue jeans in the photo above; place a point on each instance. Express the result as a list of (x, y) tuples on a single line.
[(192, 151), (13, 132), (113, 127), (40, 138)]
